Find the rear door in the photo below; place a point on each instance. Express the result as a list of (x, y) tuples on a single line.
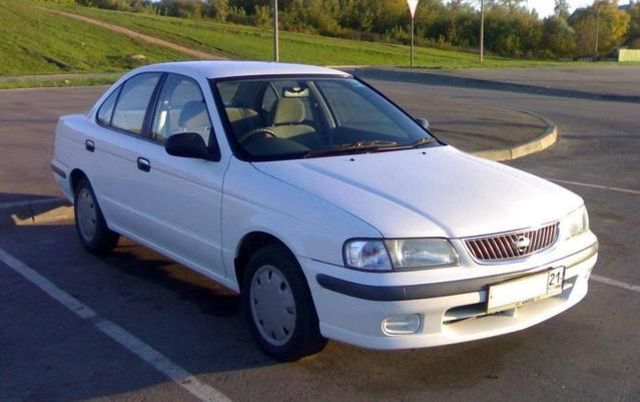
[(182, 196), (114, 149)]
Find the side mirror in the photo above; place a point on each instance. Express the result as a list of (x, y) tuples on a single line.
[(424, 123), (190, 145)]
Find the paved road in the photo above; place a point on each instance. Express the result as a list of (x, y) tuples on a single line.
[(619, 79), (591, 352)]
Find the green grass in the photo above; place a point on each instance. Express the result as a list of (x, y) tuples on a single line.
[(56, 83), (34, 41), (245, 42)]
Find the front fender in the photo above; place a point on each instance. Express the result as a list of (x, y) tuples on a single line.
[(310, 226)]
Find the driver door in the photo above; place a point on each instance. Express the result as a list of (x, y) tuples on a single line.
[(183, 195)]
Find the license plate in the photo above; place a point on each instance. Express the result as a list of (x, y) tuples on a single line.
[(516, 292)]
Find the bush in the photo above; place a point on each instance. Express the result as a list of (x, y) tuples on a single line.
[(218, 9), (262, 16)]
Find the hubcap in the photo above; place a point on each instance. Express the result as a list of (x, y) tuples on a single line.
[(272, 305), (86, 214)]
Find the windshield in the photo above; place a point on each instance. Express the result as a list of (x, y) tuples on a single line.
[(293, 117)]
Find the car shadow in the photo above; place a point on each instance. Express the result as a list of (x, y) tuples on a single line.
[(211, 298), (198, 324), (27, 207)]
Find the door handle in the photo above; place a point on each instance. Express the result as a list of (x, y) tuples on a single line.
[(144, 165), (89, 145)]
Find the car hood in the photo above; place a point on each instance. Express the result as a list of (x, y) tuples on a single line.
[(430, 192)]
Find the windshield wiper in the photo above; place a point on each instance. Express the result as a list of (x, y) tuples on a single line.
[(362, 146), (422, 141)]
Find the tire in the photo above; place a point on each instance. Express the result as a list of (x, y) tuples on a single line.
[(92, 229), (278, 305)]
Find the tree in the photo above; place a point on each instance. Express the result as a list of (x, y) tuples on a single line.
[(561, 9), (612, 25), (633, 35), (262, 16), (512, 5), (218, 9), (182, 8), (558, 38)]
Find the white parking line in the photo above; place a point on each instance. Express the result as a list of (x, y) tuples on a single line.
[(145, 352), (577, 183), (613, 282)]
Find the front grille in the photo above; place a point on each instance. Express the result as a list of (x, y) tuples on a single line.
[(507, 246)]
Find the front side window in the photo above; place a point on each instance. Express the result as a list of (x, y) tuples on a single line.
[(181, 108), (355, 111), (133, 102), (289, 117)]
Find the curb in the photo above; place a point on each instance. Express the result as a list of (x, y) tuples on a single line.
[(539, 143)]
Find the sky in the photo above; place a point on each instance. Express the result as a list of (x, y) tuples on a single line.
[(545, 7)]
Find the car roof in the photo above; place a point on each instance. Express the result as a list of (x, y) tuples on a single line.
[(225, 69)]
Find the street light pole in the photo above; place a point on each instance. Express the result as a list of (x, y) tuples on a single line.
[(412, 30), (481, 30), (276, 45), (413, 4), (597, 27)]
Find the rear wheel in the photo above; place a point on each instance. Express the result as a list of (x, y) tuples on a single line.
[(279, 307), (92, 229)]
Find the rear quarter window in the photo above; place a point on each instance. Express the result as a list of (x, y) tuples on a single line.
[(106, 109)]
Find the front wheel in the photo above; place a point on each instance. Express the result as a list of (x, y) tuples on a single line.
[(279, 307), (92, 229)]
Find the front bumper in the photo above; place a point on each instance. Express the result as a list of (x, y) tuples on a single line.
[(450, 311)]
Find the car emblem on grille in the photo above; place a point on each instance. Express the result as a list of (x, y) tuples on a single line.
[(521, 243)]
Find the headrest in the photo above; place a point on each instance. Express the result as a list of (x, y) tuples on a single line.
[(238, 113), (194, 114), (288, 111)]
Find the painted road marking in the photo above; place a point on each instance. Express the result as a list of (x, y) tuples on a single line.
[(145, 352), (613, 282), (577, 183)]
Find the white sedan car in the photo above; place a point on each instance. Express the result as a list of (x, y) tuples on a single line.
[(330, 210)]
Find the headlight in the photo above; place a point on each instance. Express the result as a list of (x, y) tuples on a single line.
[(574, 224), (399, 254), (421, 253), (367, 254)]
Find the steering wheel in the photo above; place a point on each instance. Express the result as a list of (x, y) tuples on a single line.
[(244, 138)]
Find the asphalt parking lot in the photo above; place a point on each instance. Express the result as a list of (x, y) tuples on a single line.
[(136, 326)]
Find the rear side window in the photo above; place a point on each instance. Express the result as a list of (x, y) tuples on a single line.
[(132, 104), (106, 109)]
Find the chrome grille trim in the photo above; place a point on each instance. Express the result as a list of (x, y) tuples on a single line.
[(504, 246)]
